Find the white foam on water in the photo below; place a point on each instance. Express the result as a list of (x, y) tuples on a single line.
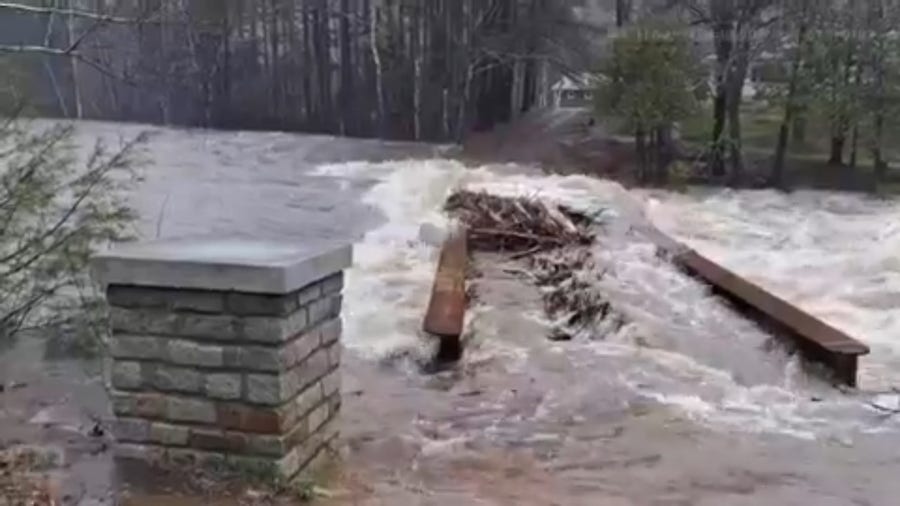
[(388, 287), (710, 363), (835, 255), (711, 397), (683, 348)]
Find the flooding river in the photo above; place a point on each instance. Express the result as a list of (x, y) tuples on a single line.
[(686, 404)]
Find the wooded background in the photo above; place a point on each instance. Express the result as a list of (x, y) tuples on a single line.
[(403, 69)]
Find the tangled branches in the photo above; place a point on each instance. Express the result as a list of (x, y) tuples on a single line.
[(519, 225), (558, 241)]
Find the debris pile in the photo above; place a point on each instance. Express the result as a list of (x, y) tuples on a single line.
[(557, 241), (569, 298), (523, 225)]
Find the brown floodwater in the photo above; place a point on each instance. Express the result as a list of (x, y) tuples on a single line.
[(687, 404), (550, 426)]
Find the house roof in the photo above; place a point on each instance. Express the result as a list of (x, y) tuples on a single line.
[(580, 82)]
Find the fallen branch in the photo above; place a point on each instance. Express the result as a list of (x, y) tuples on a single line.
[(527, 253), (887, 411), (518, 235)]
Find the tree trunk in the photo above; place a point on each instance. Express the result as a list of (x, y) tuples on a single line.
[(790, 105), (717, 160), (640, 146), (48, 65), (379, 72), (776, 179), (623, 12), (723, 38), (854, 136), (735, 143), (837, 150), (76, 74), (165, 101), (347, 103), (445, 114), (308, 92), (798, 131), (369, 116), (737, 77), (517, 93), (879, 51), (321, 31), (275, 62), (201, 94), (223, 105), (543, 85), (416, 51), (464, 105), (841, 123), (424, 69), (664, 151), (264, 48), (877, 155)]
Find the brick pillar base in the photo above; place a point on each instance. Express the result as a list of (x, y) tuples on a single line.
[(225, 353)]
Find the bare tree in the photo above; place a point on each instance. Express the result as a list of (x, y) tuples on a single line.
[(418, 69)]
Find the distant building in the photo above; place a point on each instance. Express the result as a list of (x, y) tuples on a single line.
[(574, 91)]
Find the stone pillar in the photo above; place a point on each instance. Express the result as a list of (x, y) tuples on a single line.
[(225, 352)]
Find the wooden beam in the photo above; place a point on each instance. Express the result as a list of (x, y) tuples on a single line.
[(817, 340), (445, 317)]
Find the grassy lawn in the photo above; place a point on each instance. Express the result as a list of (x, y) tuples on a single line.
[(761, 123), (806, 164)]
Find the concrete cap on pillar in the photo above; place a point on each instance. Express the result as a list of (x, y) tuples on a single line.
[(226, 264)]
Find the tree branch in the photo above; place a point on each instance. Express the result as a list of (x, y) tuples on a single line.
[(103, 18), (65, 53)]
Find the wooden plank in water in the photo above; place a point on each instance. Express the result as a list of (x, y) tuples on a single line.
[(816, 339), (446, 312)]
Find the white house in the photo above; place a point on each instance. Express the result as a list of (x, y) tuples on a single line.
[(574, 91)]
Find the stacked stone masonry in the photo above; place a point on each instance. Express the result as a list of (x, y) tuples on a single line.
[(220, 378)]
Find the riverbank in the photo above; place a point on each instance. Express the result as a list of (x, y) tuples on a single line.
[(567, 142)]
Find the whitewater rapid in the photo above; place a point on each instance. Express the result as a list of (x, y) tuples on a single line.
[(832, 254), (683, 346), (687, 403)]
